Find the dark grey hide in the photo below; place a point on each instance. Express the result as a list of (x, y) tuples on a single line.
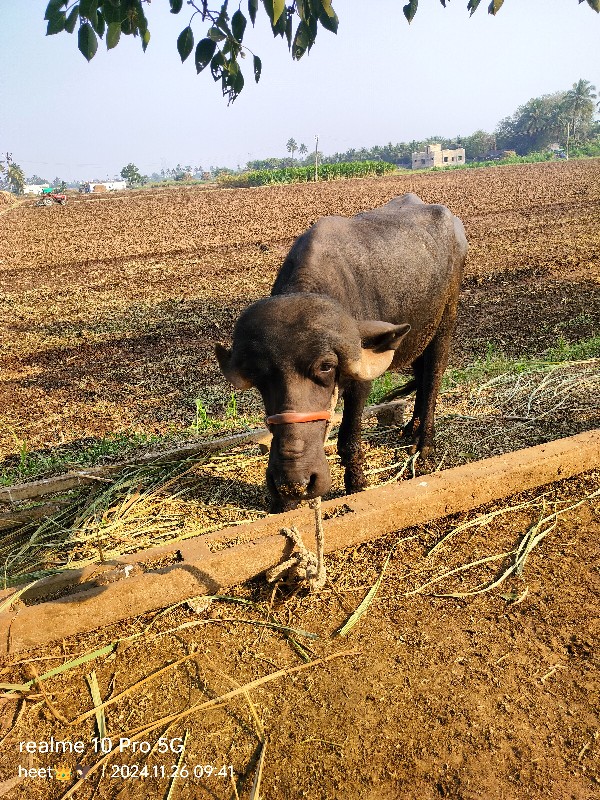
[(354, 297)]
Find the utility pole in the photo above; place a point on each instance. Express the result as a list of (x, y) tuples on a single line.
[(316, 158)]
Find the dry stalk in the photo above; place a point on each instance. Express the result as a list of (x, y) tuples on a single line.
[(223, 699)]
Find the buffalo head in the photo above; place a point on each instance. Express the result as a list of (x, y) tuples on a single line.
[(297, 350)]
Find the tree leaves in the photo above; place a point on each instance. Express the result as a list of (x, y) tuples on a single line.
[(238, 25), (222, 43), (87, 41), (113, 35), (257, 68), (72, 18), (278, 7), (410, 9), (329, 21), (205, 50), (185, 43), (252, 9), (472, 6), (53, 8), (215, 34), (56, 24)]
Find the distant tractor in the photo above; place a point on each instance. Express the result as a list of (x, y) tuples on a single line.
[(50, 196)]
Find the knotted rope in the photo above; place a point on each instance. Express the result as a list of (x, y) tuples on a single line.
[(303, 565)]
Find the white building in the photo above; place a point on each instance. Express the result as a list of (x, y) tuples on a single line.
[(434, 156), (104, 186), (35, 188)]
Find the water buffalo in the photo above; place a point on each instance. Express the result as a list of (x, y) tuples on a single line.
[(354, 297)]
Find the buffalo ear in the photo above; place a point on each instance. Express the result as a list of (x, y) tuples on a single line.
[(379, 341), (233, 375)]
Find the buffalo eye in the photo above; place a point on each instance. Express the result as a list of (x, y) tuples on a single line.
[(326, 369)]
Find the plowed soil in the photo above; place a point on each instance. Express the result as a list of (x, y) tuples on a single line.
[(110, 310), (110, 306)]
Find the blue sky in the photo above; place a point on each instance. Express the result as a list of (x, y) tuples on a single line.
[(378, 80)]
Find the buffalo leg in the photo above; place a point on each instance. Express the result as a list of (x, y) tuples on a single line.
[(349, 440), (429, 370)]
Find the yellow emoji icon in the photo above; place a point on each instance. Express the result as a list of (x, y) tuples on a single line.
[(63, 773)]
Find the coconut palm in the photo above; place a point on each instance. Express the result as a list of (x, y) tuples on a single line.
[(291, 147), (580, 106), (12, 176)]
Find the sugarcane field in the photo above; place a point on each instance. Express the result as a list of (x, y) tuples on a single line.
[(149, 644)]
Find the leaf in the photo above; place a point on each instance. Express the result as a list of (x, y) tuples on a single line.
[(257, 68), (53, 7), (238, 25), (205, 50), (252, 9), (595, 4), (87, 41), (216, 65), (495, 6), (278, 7), (113, 35), (56, 24), (329, 23), (302, 9), (112, 13), (237, 82), (145, 39), (215, 34), (88, 9), (142, 22), (410, 9), (288, 30), (301, 40), (100, 24), (185, 43), (328, 8), (72, 19), (472, 6), (176, 6)]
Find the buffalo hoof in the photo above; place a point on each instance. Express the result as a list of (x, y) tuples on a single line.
[(354, 480), (422, 449)]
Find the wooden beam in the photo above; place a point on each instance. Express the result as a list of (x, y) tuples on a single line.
[(209, 563)]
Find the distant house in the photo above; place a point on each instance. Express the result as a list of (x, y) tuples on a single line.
[(434, 156), (35, 188), (103, 186)]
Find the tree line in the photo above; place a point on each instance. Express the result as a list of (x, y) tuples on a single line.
[(566, 118)]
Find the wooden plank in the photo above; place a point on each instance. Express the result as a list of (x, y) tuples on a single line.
[(208, 564)]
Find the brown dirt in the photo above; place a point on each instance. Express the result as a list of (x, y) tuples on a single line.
[(494, 696), (7, 200), (111, 306)]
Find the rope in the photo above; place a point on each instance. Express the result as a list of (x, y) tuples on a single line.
[(303, 565)]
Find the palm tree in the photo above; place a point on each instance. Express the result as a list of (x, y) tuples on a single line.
[(291, 147), (302, 150), (13, 176), (535, 124), (579, 103)]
